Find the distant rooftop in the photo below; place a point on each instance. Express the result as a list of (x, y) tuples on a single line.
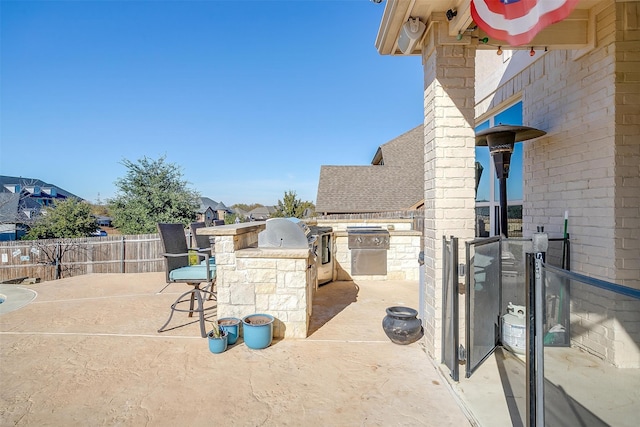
[(393, 181)]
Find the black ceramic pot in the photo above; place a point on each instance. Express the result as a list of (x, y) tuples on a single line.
[(402, 326)]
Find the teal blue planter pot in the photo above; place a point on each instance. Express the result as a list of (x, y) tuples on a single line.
[(218, 345), (257, 330), (231, 325)]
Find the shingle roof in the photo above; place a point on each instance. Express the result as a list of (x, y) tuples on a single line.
[(394, 182), (262, 212), (9, 203), (13, 206), (28, 182), (240, 212), (206, 203)]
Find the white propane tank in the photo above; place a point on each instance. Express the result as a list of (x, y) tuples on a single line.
[(514, 336)]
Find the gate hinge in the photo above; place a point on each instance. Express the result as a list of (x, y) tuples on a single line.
[(462, 355)]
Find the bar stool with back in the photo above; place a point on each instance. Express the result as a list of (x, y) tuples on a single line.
[(177, 268)]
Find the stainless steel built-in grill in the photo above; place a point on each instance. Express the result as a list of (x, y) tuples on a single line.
[(291, 233), (368, 247)]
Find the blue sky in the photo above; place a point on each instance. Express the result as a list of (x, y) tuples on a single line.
[(249, 98)]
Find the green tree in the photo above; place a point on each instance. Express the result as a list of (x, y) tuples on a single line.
[(308, 209), (245, 207), (291, 206), (67, 218), (100, 210), (231, 218), (152, 191)]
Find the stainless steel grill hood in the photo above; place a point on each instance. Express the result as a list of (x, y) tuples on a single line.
[(285, 233)]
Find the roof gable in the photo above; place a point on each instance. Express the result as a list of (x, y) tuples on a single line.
[(394, 180)]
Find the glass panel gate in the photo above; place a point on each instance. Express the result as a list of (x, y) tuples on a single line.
[(450, 333), (495, 279), (483, 302)]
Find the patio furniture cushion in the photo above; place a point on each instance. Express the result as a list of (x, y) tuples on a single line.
[(212, 260), (193, 272)]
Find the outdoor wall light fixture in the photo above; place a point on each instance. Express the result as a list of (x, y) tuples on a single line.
[(501, 140), (410, 33), (532, 52), (499, 51), (451, 14)]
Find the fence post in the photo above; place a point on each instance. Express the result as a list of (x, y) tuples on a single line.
[(57, 260), (539, 348), (535, 309), (89, 258), (122, 256), (530, 340)]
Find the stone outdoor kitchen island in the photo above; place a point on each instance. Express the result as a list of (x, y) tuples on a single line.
[(262, 280), (281, 282)]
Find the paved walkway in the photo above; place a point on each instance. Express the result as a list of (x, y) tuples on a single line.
[(86, 352)]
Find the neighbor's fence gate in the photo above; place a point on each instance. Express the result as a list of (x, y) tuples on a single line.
[(54, 259)]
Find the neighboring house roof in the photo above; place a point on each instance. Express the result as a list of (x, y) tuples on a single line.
[(221, 207), (240, 212), (9, 212), (206, 203), (393, 181), (24, 183), (21, 200), (262, 212)]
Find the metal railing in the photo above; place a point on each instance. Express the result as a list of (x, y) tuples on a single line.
[(572, 323), (605, 314)]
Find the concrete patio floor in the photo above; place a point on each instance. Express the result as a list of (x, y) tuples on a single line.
[(85, 351)]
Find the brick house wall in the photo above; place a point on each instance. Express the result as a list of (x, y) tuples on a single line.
[(627, 144), (449, 167), (589, 165)]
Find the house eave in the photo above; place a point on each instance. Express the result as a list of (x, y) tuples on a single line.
[(575, 32)]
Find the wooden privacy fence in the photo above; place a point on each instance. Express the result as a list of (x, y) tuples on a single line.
[(57, 258), (417, 216), (53, 259)]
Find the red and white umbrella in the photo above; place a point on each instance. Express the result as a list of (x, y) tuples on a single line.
[(518, 21)]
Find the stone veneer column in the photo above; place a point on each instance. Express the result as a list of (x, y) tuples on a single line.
[(449, 78)]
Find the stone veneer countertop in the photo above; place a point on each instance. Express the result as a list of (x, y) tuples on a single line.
[(232, 229), (272, 253)]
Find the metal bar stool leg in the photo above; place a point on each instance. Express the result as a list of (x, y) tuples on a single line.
[(198, 295), (173, 309), (210, 289), (193, 292)]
